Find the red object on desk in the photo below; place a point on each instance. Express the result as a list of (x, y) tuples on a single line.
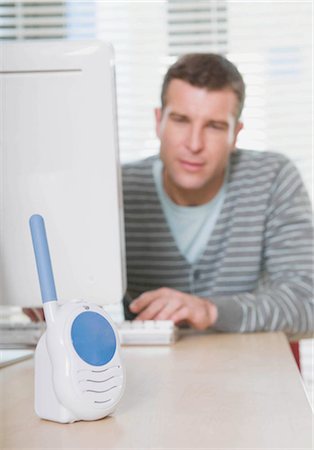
[(295, 348)]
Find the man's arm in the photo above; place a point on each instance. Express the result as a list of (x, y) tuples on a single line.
[(284, 297)]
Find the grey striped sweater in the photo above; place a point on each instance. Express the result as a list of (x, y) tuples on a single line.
[(257, 265)]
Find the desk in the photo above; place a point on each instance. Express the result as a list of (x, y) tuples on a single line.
[(206, 391)]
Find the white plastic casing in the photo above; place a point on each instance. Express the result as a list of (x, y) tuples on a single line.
[(67, 388), (59, 158)]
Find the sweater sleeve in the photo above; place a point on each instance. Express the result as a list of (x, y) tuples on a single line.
[(284, 297)]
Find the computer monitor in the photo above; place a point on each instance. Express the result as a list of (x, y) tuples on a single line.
[(59, 159)]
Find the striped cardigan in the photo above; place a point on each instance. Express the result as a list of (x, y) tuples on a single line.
[(257, 265)]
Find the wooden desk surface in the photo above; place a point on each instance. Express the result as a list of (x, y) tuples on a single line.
[(212, 391)]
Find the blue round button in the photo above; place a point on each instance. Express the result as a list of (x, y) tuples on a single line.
[(93, 338)]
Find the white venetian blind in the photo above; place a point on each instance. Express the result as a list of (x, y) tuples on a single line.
[(46, 20), (197, 26), (271, 43), (138, 33)]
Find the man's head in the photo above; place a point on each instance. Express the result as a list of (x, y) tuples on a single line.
[(198, 124), (206, 70)]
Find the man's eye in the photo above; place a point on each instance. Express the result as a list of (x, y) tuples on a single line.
[(217, 126), (179, 119)]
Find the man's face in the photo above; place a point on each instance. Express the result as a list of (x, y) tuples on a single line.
[(197, 130)]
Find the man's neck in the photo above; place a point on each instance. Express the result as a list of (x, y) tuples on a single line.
[(196, 197)]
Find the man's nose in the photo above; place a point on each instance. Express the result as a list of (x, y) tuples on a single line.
[(195, 139)]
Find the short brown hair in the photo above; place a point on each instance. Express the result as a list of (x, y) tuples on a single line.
[(206, 70)]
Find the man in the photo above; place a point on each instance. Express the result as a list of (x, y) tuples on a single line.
[(216, 237)]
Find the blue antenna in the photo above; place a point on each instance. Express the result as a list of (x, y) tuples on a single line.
[(43, 261)]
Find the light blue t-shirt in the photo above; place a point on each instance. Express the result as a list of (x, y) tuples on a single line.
[(191, 226)]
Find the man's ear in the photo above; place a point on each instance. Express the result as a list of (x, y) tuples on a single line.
[(238, 128), (158, 115)]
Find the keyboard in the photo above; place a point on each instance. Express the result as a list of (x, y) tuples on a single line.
[(147, 332), (21, 335)]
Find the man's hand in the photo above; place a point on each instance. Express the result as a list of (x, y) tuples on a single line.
[(35, 314), (169, 304)]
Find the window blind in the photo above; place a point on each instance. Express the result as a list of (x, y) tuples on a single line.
[(46, 20), (269, 41), (197, 26), (138, 33)]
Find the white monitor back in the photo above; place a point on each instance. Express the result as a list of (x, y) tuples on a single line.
[(59, 158)]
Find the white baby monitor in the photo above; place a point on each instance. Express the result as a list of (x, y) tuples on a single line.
[(78, 369)]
